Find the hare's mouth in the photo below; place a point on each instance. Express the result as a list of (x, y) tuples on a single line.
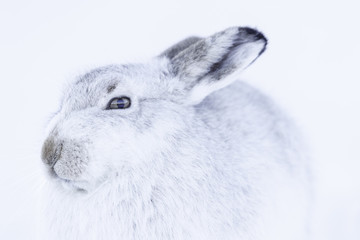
[(81, 186), (75, 186)]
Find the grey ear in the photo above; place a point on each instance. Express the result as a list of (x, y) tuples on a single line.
[(177, 48), (212, 63)]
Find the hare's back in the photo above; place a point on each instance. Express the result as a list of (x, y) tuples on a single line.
[(245, 119)]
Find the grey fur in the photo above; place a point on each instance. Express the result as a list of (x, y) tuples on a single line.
[(214, 68), (51, 151), (55, 149), (180, 46)]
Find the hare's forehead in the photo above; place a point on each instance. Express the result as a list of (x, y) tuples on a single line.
[(121, 77), (107, 77)]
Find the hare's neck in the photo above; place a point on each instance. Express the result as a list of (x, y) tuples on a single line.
[(135, 197)]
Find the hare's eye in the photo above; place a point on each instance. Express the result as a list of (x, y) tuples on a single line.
[(119, 103)]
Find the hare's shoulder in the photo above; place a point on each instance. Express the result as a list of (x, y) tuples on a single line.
[(237, 105)]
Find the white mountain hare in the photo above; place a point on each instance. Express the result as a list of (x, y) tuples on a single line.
[(176, 148)]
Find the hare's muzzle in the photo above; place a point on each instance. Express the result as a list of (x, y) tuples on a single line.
[(65, 159)]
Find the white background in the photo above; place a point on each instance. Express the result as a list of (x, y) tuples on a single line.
[(311, 69)]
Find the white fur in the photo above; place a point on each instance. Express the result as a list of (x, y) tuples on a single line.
[(230, 167)]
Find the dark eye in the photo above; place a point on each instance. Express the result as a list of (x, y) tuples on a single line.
[(119, 103)]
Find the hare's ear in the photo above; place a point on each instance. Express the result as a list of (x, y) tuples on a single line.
[(174, 50), (208, 64)]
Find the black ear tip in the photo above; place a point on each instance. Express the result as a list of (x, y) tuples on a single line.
[(249, 31), (254, 34)]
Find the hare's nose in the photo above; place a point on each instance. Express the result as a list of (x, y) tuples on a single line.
[(51, 151)]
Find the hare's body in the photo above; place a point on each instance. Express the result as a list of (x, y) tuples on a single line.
[(221, 165)]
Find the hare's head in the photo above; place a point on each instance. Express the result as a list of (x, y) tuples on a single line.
[(114, 119)]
